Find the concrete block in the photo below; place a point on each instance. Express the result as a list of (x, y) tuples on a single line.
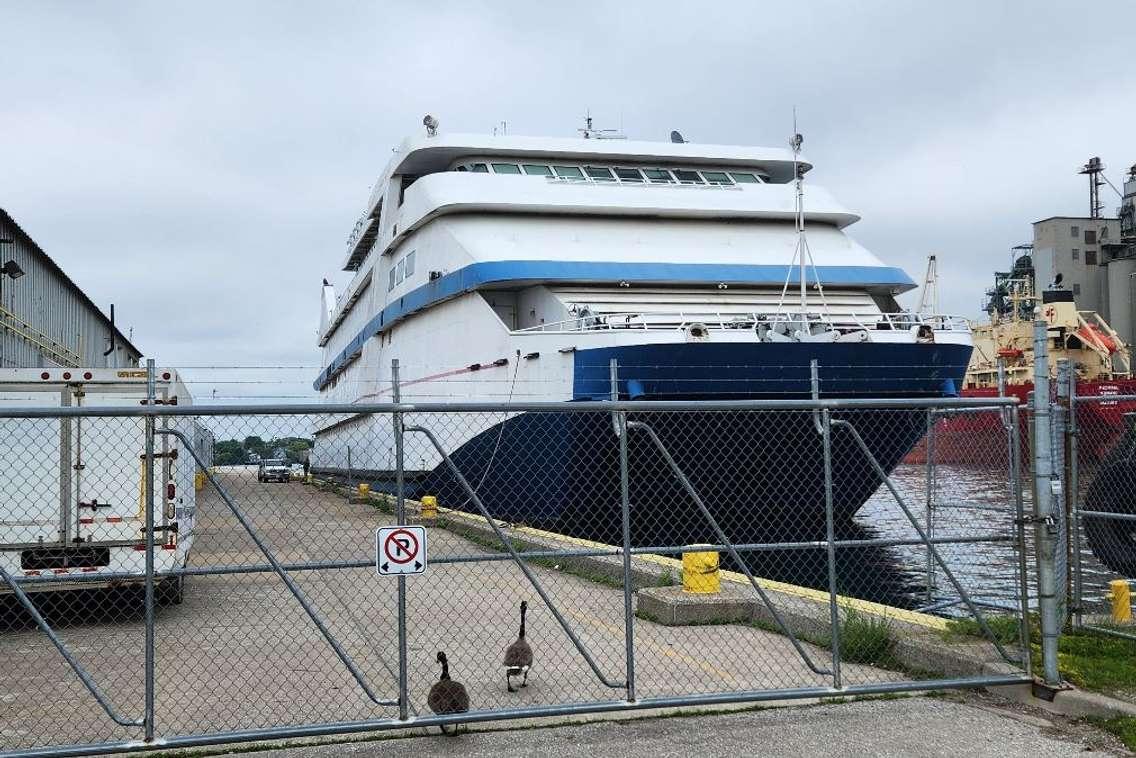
[(673, 607)]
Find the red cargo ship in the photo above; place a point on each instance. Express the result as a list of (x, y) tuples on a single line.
[(1004, 348)]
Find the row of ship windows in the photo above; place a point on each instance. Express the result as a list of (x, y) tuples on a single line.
[(401, 271), (626, 175)]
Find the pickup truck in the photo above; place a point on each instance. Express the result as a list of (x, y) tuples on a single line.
[(273, 470)]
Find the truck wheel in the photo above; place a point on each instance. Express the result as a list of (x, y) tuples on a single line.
[(171, 591)]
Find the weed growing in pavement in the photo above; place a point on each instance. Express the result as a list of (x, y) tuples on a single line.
[(866, 638)]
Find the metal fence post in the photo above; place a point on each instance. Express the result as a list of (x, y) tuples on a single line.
[(148, 468), (930, 505), (400, 515), (1059, 432), (1045, 485), (1020, 536), (625, 505), (830, 530), (1072, 497), (825, 430)]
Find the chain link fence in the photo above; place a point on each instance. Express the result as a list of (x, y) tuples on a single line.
[(1102, 483), (177, 576)]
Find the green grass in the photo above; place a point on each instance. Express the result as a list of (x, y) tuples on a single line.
[(868, 639), (1098, 662), (1123, 727), (666, 579), (1006, 629)]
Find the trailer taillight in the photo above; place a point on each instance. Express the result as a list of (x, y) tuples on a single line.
[(45, 376), (66, 374), (171, 491), (87, 375), (166, 375)]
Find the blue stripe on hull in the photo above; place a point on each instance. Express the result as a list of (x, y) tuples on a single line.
[(701, 370)]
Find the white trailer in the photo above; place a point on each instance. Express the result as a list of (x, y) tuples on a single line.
[(72, 490)]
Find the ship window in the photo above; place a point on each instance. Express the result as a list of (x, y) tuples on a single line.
[(687, 177), (629, 175), (599, 173), (479, 168), (1090, 237), (716, 177), (658, 175), (410, 264), (506, 168), (743, 178), (401, 271), (1076, 288), (391, 282), (1090, 257), (461, 168), (1076, 254), (533, 169), (569, 172), (1074, 231)]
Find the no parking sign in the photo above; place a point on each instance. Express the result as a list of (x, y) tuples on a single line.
[(400, 550)]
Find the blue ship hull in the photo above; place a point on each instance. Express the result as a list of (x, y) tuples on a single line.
[(761, 473)]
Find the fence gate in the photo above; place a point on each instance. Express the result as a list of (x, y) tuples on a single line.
[(848, 545)]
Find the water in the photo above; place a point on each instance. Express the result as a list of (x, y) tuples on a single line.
[(966, 503)]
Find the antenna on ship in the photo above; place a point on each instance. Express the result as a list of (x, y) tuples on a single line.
[(929, 297), (801, 254), (590, 132)]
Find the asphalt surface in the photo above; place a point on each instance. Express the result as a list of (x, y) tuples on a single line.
[(908, 728)]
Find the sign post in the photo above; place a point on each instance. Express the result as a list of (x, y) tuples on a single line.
[(400, 550)]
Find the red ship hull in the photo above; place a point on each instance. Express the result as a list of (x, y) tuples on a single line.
[(977, 439)]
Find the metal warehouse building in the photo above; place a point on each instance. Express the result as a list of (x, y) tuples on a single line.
[(45, 319)]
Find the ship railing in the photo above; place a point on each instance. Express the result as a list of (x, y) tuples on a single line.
[(715, 321)]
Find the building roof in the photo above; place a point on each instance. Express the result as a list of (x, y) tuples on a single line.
[(1073, 218), (7, 219)]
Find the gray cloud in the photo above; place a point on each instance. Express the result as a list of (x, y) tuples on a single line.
[(201, 165)]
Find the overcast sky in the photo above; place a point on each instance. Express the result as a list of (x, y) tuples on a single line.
[(201, 164)]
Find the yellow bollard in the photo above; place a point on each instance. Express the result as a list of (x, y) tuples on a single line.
[(429, 506), (199, 481), (1121, 595), (700, 572), (364, 491)]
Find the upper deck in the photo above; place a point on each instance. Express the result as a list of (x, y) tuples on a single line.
[(534, 162)]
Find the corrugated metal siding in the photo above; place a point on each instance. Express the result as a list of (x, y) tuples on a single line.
[(54, 313)]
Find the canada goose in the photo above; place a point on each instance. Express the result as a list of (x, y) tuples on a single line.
[(518, 656), (447, 696)]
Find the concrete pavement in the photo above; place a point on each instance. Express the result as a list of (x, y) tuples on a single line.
[(917, 727)]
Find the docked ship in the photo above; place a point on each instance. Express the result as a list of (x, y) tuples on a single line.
[(1003, 364), (514, 269)]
